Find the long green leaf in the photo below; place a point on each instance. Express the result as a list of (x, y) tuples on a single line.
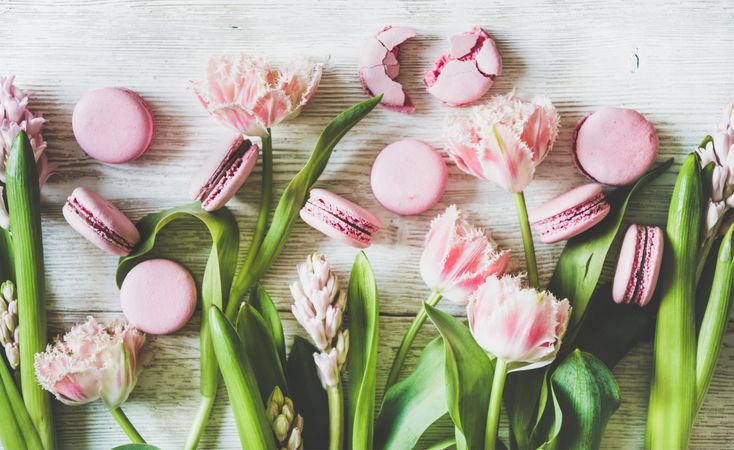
[(469, 373), (261, 301), (588, 396), (24, 207), (547, 432), (10, 433), (261, 351), (20, 413), (247, 404), (293, 198), (412, 405), (307, 394), (363, 322), (526, 401)]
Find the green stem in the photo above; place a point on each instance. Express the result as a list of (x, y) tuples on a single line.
[(19, 411), (408, 339), (336, 417), (495, 402), (200, 421), (126, 426), (260, 226), (527, 239)]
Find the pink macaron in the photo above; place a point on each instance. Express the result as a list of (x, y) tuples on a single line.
[(158, 296), (379, 67), (100, 222), (113, 125), (339, 218), (468, 71), (614, 146), (408, 177), (224, 172), (570, 214), (639, 264)]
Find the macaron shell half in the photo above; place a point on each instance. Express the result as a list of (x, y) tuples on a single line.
[(158, 296), (569, 214), (614, 146), (334, 227), (408, 177), (638, 267), (107, 214), (113, 125)]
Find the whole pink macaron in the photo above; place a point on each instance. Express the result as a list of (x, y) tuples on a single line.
[(639, 264), (158, 296), (340, 218), (408, 177), (468, 71), (224, 172), (570, 214), (614, 146), (100, 222), (113, 125)]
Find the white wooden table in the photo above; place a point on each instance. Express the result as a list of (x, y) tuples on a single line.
[(671, 60)]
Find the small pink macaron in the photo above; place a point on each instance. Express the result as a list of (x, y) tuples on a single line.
[(570, 214), (639, 264), (100, 222), (379, 67), (408, 177), (468, 71), (158, 296), (113, 125), (339, 218), (224, 172), (614, 146)]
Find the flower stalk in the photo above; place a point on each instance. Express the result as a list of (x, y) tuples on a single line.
[(336, 416), (495, 405), (527, 240), (126, 426)]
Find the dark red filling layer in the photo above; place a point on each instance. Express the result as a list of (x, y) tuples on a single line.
[(97, 225)]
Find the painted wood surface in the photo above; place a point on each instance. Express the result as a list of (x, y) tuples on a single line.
[(671, 60)]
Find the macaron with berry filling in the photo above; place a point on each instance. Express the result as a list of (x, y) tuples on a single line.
[(639, 264), (570, 214), (340, 218), (100, 222)]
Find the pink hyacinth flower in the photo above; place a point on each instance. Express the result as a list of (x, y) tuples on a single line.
[(246, 94), (504, 140), (457, 257), (520, 326), (93, 362)]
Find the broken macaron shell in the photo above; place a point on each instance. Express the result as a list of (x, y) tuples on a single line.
[(100, 222), (379, 66), (224, 172), (468, 71), (340, 218)]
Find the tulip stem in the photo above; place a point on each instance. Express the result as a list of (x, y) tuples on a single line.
[(336, 416), (200, 421), (495, 402), (408, 339), (527, 239), (126, 426)]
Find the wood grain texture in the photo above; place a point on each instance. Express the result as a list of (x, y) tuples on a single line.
[(671, 60)]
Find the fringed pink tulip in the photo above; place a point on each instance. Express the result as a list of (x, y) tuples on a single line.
[(246, 94), (457, 257), (93, 362)]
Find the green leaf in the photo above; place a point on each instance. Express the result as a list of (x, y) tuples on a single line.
[(294, 196), (261, 351), (469, 373), (363, 322), (244, 396), (218, 273), (11, 400), (309, 398), (261, 301), (412, 405), (136, 447), (548, 428), (525, 400), (588, 395)]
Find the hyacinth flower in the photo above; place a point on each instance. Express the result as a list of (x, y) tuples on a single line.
[(287, 425), (319, 306), (9, 323), (93, 362), (521, 327), (14, 117), (503, 141), (456, 260)]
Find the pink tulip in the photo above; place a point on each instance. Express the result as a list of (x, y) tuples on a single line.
[(92, 362), (504, 140), (457, 258), (520, 326), (246, 94)]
